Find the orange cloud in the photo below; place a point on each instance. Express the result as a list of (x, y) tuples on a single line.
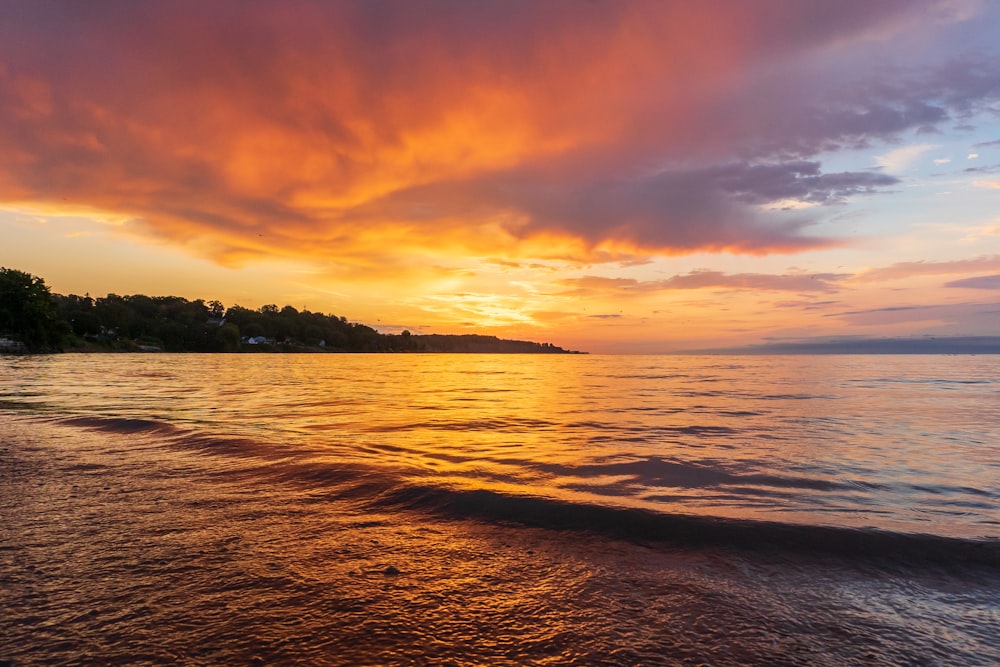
[(358, 132)]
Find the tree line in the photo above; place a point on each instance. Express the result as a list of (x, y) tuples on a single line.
[(32, 319)]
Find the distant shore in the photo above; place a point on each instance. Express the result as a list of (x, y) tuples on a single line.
[(865, 345), (431, 344)]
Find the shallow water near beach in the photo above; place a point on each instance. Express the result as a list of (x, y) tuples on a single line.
[(499, 509)]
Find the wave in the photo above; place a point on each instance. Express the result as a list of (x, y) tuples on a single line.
[(119, 424), (638, 525), (380, 490)]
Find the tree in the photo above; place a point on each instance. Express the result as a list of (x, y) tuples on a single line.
[(28, 312), (79, 312), (228, 338)]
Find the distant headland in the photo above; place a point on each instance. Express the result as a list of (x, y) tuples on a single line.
[(868, 345), (32, 319)]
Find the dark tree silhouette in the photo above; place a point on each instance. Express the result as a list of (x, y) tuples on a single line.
[(28, 312)]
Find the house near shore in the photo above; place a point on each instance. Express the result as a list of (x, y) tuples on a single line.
[(11, 345), (258, 340)]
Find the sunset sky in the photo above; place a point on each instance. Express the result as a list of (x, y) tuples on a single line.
[(607, 175)]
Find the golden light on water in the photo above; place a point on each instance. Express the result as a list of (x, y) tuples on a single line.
[(572, 509)]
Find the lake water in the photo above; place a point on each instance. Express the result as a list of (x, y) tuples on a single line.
[(500, 509)]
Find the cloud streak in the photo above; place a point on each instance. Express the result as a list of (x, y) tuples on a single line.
[(977, 282), (973, 315), (904, 270), (706, 279)]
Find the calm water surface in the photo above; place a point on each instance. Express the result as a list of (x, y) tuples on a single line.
[(906, 443), (471, 509)]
